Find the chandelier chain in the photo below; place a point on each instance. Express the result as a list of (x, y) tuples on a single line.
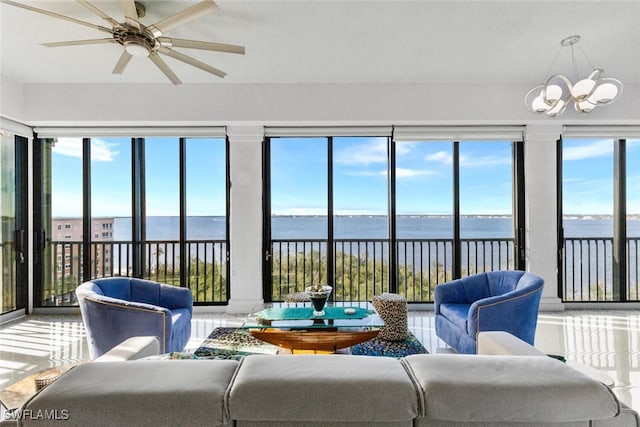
[(586, 57), (553, 63), (575, 65)]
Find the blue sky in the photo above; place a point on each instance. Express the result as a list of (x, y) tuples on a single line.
[(299, 176)]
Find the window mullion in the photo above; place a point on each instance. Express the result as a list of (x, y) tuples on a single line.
[(393, 244), (184, 279), (87, 271), (619, 221), (330, 218), (457, 244)]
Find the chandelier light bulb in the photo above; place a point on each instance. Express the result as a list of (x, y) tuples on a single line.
[(557, 92), (553, 93), (582, 90), (584, 107), (539, 105), (604, 94)]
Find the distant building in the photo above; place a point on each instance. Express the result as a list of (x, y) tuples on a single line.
[(67, 232)]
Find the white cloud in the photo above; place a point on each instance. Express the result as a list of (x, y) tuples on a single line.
[(363, 154), (101, 151), (446, 158), (400, 173), (410, 173), (443, 157), (484, 161), (404, 147), (593, 149), (71, 147)]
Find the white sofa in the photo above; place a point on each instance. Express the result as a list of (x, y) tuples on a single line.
[(509, 383)]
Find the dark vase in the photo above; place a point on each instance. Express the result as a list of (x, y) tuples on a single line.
[(319, 296)]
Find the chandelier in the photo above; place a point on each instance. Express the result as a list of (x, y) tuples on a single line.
[(557, 91)]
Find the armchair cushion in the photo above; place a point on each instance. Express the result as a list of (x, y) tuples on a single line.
[(456, 313)]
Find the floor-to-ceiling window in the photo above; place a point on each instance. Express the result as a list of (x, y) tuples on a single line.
[(297, 234), (62, 200), (387, 215), (13, 230), (206, 219), (360, 216), (487, 221), (151, 207), (162, 209), (424, 187), (600, 190), (110, 226)]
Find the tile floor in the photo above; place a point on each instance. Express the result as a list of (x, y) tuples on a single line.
[(605, 344)]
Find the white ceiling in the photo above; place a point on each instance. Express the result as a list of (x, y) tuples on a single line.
[(339, 41)]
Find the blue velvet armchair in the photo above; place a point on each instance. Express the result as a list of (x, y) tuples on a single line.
[(493, 301), (116, 308)]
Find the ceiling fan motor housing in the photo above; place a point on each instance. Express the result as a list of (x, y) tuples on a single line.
[(137, 42)]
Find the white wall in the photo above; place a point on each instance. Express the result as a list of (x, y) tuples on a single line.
[(12, 100)]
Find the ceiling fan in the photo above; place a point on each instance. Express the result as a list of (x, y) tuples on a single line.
[(145, 41)]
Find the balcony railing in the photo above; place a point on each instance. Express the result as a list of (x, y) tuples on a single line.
[(206, 267), (588, 270), (361, 266)]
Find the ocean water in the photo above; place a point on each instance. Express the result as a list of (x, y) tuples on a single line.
[(365, 227)]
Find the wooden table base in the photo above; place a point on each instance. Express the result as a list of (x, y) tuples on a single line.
[(320, 340)]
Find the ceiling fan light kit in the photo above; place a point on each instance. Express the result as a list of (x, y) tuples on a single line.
[(145, 41), (554, 95)]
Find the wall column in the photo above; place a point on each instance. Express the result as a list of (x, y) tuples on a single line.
[(245, 217), (541, 209)]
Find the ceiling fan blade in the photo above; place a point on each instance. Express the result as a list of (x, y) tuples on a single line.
[(155, 58), (130, 13), (192, 61), (182, 17), (122, 62), (57, 15), (100, 13), (196, 44), (78, 42)]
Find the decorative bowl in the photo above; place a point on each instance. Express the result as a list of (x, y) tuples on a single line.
[(319, 294)]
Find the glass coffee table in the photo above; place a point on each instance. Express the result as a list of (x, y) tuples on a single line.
[(294, 327)]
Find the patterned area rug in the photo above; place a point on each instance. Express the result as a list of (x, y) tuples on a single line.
[(232, 343), (380, 347)]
